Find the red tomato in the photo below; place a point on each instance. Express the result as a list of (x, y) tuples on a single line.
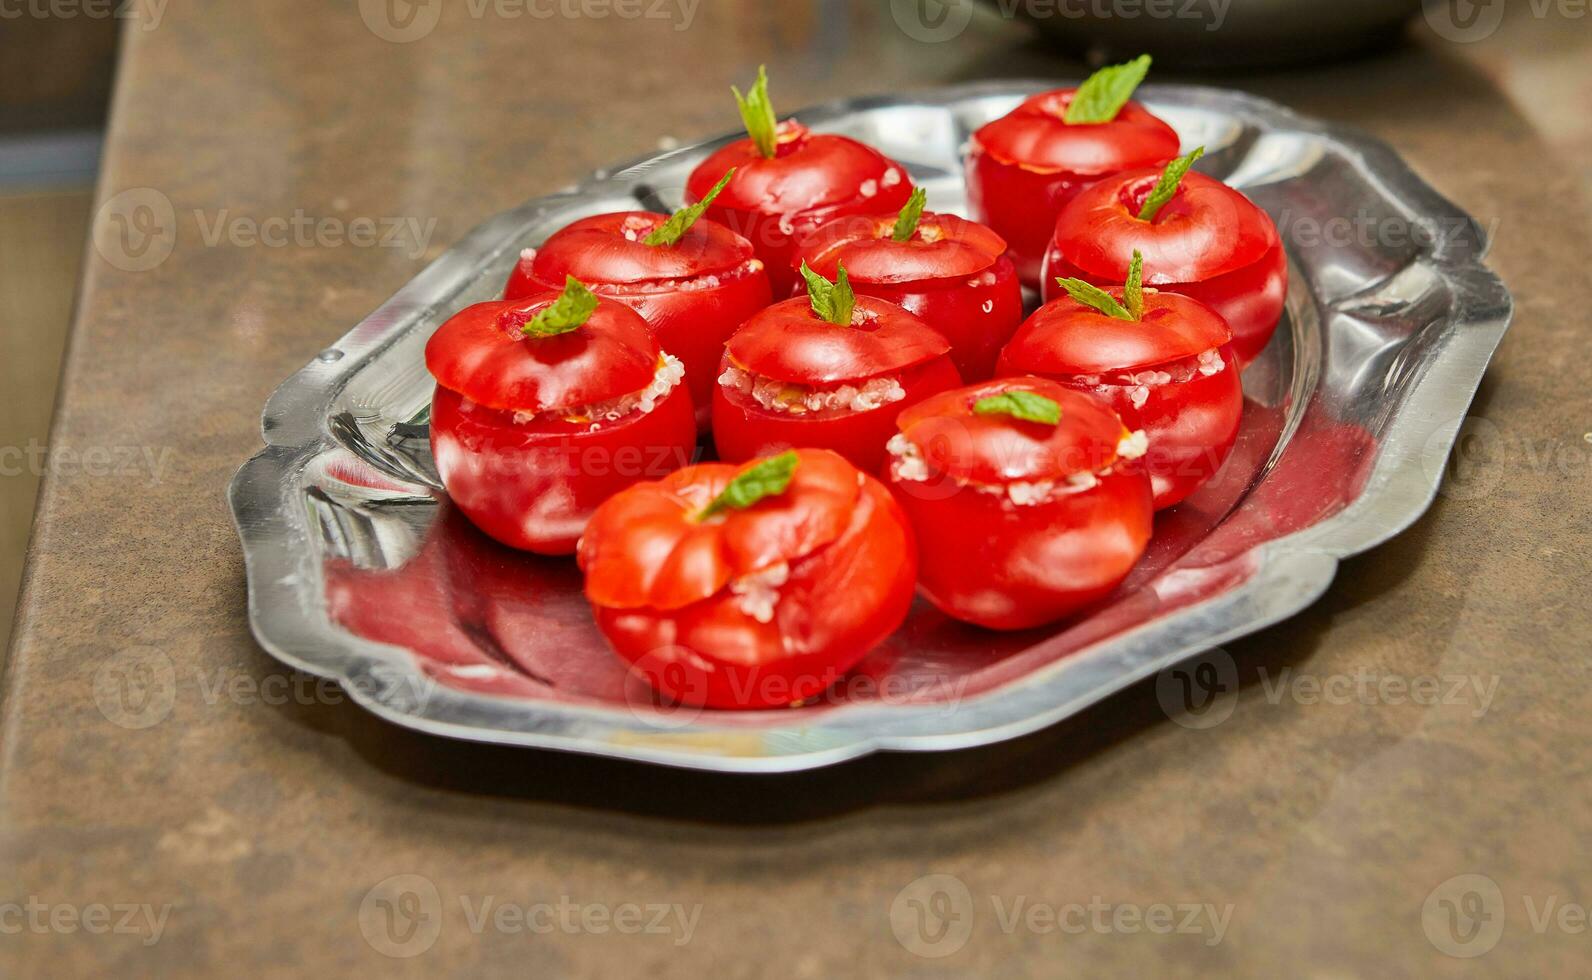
[(791, 378), (531, 434), (1019, 522), (1171, 374), (755, 607), (952, 274), (1209, 242), (810, 180), (1024, 167), (694, 293)]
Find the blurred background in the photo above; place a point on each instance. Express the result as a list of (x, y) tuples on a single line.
[(55, 86), (58, 64)]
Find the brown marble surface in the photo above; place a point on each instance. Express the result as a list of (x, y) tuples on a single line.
[(255, 817)]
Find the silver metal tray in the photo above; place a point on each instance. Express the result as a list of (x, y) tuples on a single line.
[(359, 571)]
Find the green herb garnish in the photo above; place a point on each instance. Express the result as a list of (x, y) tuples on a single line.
[(681, 221), (1023, 405), (571, 310), (1166, 187), (758, 114), (1103, 94), (832, 301), (1133, 289), (907, 221), (766, 478), (1095, 298)]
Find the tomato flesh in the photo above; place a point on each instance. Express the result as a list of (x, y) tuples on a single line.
[(952, 274), (533, 485), (1191, 420), (977, 315), (744, 429), (1004, 559), (1024, 167), (838, 596), (1209, 242), (693, 294), (1172, 374), (1003, 566), (812, 179)]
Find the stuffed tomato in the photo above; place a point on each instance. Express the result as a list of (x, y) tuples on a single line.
[(1198, 237), (951, 273), (1025, 166), (787, 181), (829, 370), (755, 586), (548, 405), (1164, 362), (1026, 498), (692, 279)]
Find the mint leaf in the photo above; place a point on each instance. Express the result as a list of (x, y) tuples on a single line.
[(907, 221), (1095, 298), (758, 114), (1023, 405), (681, 221), (766, 478), (1166, 187), (1103, 94), (571, 310), (1133, 290), (832, 301)]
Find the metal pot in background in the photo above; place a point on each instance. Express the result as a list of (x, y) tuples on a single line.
[(1214, 33)]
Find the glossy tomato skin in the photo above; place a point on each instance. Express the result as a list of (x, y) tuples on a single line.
[(991, 561), (534, 485), (743, 429), (952, 274), (693, 293), (509, 451), (1210, 243), (788, 344), (811, 180), (1173, 375), (1191, 421), (1249, 298), (1023, 168), (977, 315), (845, 591)]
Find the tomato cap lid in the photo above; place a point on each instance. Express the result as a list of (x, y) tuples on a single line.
[(1066, 337), (992, 448), (1207, 229), (611, 248), (646, 546), (944, 247), (481, 353), (809, 172), (1034, 136), (789, 342)]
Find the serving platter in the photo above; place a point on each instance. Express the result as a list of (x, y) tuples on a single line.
[(359, 571)]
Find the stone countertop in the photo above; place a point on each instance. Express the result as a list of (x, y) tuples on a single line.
[(245, 829)]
